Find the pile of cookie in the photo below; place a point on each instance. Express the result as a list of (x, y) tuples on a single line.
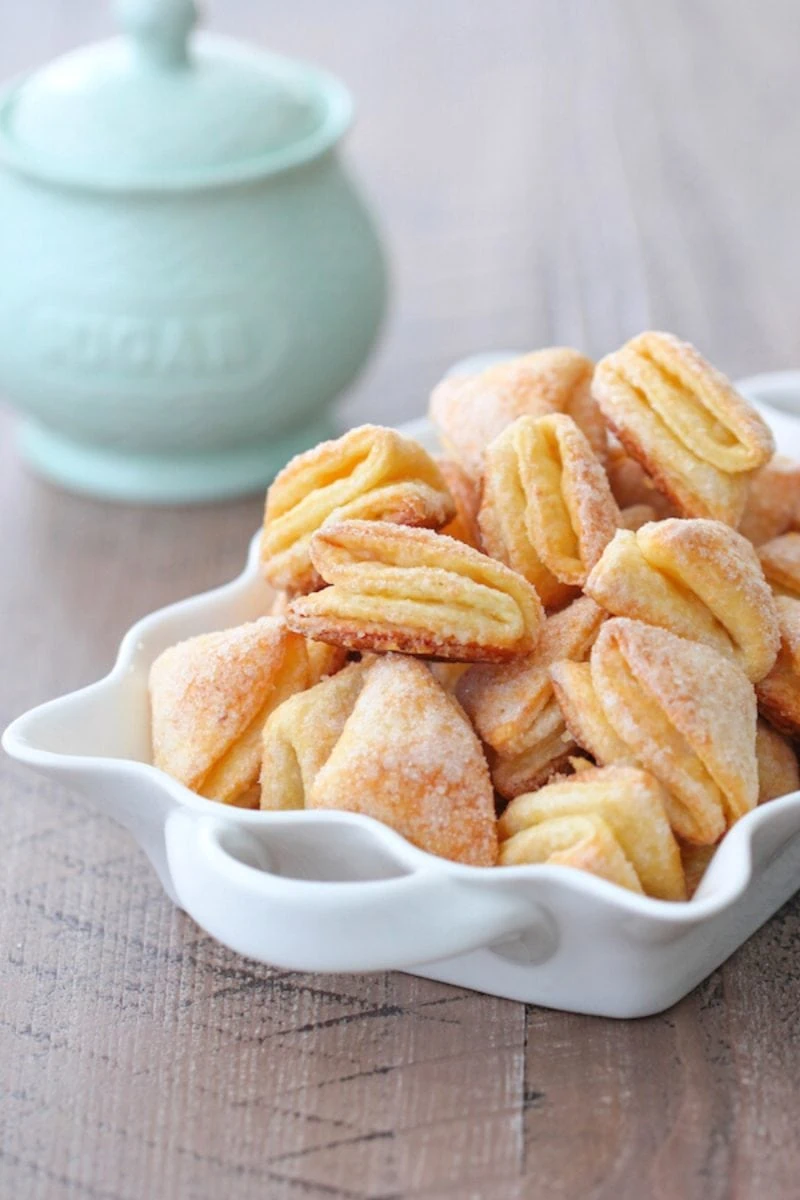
[(573, 638)]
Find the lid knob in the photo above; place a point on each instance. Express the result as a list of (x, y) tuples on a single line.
[(159, 29)]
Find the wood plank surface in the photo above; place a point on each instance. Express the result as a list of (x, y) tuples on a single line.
[(547, 171)]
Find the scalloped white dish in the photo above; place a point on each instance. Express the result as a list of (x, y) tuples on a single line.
[(331, 891)]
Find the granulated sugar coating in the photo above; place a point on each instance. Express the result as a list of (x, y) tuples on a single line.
[(415, 591), (408, 757), (471, 410), (629, 801), (584, 714), (547, 510), (699, 579), (211, 695), (687, 714), (684, 423), (300, 735), (369, 472), (206, 691)]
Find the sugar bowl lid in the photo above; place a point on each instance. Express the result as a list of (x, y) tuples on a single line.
[(161, 108)]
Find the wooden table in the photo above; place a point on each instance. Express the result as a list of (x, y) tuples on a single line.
[(548, 171)]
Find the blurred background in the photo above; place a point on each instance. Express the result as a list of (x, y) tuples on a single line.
[(547, 171)]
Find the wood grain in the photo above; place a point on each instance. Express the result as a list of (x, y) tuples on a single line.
[(548, 171)]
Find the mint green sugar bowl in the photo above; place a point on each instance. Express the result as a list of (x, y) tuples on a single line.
[(188, 276)]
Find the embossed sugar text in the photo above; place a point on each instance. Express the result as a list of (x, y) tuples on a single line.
[(141, 346)]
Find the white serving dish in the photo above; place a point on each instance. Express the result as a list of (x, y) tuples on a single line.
[(331, 891)]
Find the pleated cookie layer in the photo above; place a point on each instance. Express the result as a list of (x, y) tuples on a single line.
[(371, 473), (611, 821), (299, 736), (408, 757), (674, 707), (546, 508), (684, 423), (210, 697), (697, 578), (415, 591)]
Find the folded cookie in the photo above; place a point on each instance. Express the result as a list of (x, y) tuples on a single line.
[(778, 772), (779, 694), (512, 706), (412, 590), (210, 697), (408, 757), (300, 734), (465, 491), (684, 423), (628, 838), (372, 473), (546, 507), (780, 562), (583, 841), (674, 707), (469, 411), (773, 501), (697, 578)]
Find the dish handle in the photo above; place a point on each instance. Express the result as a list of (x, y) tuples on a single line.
[(222, 877)]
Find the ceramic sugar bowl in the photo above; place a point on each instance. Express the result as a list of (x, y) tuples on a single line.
[(188, 277)]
